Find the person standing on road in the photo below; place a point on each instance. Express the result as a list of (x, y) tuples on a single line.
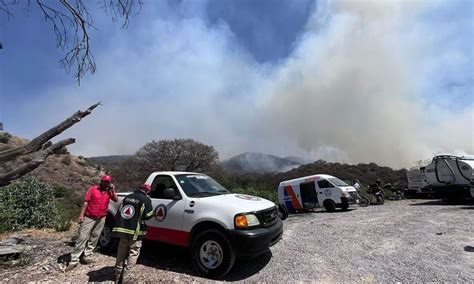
[(130, 228), (92, 220), (356, 185)]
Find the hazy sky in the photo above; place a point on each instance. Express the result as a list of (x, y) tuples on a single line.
[(352, 81)]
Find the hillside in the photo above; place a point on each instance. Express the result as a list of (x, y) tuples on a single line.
[(258, 163), (59, 170), (107, 160), (298, 160)]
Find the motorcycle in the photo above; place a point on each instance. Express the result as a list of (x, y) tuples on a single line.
[(377, 191), (379, 195), (363, 201), (397, 193)]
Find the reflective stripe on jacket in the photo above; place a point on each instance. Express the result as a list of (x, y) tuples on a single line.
[(131, 216)]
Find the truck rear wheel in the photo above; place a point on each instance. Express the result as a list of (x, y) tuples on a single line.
[(329, 205), (212, 253)]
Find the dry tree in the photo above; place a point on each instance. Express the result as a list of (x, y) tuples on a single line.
[(71, 22)]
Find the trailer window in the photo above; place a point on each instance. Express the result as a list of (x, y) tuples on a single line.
[(324, 184)]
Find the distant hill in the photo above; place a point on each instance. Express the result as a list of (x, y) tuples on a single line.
[(258, 163), (365, 173), (107, 160), (298, 160)]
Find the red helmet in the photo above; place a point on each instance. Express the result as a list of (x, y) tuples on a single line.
[(106, 178), (146, 187)]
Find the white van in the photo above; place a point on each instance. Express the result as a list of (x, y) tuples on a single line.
[(193, 210), (314, 191)]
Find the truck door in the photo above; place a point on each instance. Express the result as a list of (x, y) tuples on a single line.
[(167, 223), (309, 197)]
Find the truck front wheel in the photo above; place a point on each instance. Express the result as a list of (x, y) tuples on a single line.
[(212, 253), (329, 205), (106, 242)]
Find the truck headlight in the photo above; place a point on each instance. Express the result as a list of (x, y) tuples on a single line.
[(345, 194), (246, 220)]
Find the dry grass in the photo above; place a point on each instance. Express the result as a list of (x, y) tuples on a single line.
[(42, 233)]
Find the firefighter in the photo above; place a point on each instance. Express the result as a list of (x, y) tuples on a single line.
[(92, 220), (130, 228)]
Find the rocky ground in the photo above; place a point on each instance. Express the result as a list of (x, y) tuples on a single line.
[(409, 241)]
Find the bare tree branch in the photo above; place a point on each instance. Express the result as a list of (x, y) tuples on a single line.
[(37, 143), (4, 7), (71, 22), (36, 162)]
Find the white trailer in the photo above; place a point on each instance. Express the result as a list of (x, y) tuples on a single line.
[(446, 176)]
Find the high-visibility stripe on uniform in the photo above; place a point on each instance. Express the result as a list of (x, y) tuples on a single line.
[(135, 236), (150, 213), (123, 230), (127, 231)]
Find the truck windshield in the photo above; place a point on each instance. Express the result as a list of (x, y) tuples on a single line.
[(337, 182), (200, 185)]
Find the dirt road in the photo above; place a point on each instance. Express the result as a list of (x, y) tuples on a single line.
[(409, 240)]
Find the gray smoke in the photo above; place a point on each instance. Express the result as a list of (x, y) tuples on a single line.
[(353, 90), (353, 86)]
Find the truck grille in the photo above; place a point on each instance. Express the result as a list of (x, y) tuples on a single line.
[(268, 217)]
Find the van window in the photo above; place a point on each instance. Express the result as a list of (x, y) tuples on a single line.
[(337, 182), (324, 184), (159, 184)]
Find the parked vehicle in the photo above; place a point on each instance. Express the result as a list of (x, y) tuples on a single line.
[(193, 210), (306, 193), (446, 176), (363, 201), (377, 191), (397, 191)]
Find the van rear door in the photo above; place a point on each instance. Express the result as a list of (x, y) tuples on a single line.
[(309, 196)]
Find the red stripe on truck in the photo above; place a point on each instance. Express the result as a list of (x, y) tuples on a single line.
[(171, 236)]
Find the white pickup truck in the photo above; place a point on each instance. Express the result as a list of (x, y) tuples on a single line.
[(193, 210)]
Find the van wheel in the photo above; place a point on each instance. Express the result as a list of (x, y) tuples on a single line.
[(282, 212), (212, 253), (106, 242), (329, 205)]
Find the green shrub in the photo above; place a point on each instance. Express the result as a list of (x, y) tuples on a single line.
[(61, 151), (5, 137), (270, 195), (66, 160), (27, 204), (69, 205), (63, 225), (83, 163)]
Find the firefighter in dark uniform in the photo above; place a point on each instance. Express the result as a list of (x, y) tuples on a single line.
[(130, 228)]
